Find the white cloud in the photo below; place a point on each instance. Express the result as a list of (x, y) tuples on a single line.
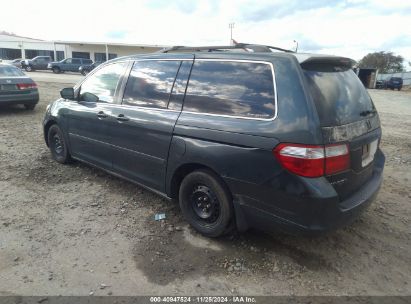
[(350, 28)]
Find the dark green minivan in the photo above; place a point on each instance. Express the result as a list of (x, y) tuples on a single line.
[(241, 136)]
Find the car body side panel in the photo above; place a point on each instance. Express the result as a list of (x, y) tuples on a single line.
[(88, 134), (252, 174), (140, 145)]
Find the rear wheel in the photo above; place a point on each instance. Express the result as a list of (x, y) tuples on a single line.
[(56, 70), (84, 72), (57, 144), (206, 203), (30, 106)]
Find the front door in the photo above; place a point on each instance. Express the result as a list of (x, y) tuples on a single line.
[(89, 120), (146, 118)]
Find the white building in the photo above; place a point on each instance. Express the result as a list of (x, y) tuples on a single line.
[(14, 47)]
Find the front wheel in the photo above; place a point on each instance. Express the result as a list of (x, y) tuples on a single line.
[(28, 68), (57, 145), (56, 70), (206, 203), (84, 72)]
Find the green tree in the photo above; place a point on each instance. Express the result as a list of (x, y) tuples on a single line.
[(385, 62)]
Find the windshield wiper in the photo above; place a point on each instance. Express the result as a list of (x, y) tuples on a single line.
[(367, 112)]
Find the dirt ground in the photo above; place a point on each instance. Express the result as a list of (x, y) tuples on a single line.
[(75, 230)]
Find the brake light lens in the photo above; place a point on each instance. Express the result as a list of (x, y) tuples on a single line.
[(26, 86), (337, 159), (313, 160)]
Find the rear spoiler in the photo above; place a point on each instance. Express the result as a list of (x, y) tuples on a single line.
[(310, 60)]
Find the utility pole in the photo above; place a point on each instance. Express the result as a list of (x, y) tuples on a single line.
[(231, 26), (296, 47)]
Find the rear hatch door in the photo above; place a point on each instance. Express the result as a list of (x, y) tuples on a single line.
[(347, 115)]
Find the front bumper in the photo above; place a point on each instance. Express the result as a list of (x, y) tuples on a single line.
[(318, 215)]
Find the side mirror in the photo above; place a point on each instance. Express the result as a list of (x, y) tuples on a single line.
[(89, 97), (67, 93)]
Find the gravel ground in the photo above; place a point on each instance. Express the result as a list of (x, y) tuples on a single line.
[(75, 230)]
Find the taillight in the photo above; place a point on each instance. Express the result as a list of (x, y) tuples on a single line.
[(26, 86), (313, 161), (337, 158)]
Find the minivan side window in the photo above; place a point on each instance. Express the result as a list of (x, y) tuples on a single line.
[(234, 88), (150, 83), (103, 83)]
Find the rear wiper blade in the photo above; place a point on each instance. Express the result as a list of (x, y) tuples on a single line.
[(367, 112)]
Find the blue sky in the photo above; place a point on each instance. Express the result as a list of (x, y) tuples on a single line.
[(351, 28)]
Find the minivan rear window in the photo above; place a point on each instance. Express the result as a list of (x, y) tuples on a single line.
[(234, 88), (339, 96)]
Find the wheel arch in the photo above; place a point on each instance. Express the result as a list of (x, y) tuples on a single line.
[(46, 130), (185, 169)]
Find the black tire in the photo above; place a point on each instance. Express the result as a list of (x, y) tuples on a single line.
[(84, 72), (206, 203), (58, 145), (56, 70), (28, 68), (30, 106)]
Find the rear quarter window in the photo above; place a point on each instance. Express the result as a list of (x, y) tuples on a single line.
[(234, 88)]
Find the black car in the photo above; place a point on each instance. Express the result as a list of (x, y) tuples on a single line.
[(37, 63), (264, 139), (17, 88), (68, 65), (87, 68), (394, 83)]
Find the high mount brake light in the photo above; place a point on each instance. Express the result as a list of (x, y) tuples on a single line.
[(313, 160)]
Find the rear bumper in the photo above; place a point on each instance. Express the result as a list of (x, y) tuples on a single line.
[(320, 214), (26, 98)]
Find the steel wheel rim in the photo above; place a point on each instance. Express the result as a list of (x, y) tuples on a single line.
[(205, 204)]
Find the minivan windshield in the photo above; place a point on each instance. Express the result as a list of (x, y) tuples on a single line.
[(339, 96)]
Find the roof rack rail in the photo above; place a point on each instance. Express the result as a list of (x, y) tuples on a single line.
[(244, 46)]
